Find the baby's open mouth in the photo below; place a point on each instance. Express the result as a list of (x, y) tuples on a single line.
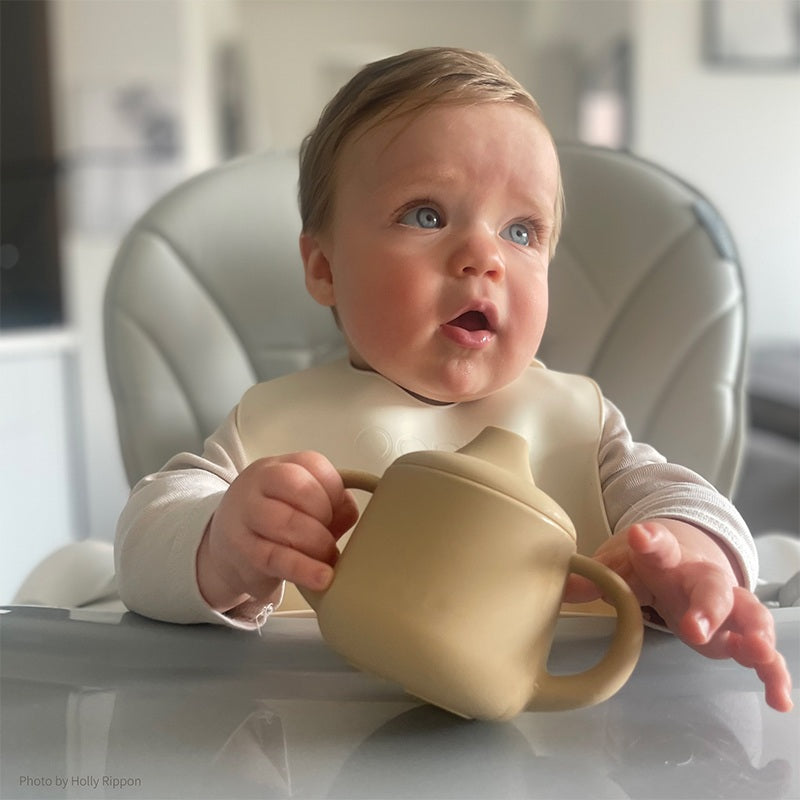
[(471, 321), (473, 329)]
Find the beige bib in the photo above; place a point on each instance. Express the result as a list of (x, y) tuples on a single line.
[(361, 420)]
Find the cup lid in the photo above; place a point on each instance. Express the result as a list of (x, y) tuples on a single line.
[(497, 459)]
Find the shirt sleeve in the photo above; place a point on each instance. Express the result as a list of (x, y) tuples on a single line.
[(638, 483), (162, 525)]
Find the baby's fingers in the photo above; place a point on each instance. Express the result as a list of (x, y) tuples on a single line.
[(580, 590), (300, 568), (710, 605), (269, 561), (756, 628), (777, 683), (753, 643), (654, 547), (770, 666), (749, 638), (345, 515)]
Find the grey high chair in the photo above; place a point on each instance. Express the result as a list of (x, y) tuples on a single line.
[(206, 297)]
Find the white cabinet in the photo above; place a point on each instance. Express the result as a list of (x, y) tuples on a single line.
[(41, 464)]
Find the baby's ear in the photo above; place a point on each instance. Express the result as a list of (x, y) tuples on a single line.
[(319, 278)]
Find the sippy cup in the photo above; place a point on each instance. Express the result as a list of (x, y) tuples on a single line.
[(451, 585)]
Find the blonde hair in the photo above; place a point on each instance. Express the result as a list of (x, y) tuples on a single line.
[(385, 89)]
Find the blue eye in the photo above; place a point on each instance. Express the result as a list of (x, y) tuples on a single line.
[(518, 233), (422, 217)]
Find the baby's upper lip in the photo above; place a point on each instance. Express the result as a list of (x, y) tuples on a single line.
[(470, 314)]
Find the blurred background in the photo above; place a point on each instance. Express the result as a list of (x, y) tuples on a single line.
[(106, 104)]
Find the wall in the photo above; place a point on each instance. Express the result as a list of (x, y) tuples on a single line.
[(735, 135), (297, 54)]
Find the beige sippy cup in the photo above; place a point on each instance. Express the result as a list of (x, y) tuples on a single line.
[(452, 580)]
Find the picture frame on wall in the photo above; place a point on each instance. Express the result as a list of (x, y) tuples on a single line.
[(752, 34)]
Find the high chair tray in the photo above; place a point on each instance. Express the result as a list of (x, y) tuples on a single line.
[(101, 704)]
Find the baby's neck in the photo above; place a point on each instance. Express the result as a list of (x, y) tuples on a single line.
[(360, 365)]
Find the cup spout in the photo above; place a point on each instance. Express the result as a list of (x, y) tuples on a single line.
[(504, 449)]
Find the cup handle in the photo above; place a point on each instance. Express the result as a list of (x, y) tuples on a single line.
[(598, 683), (358, 479), (352, 479)]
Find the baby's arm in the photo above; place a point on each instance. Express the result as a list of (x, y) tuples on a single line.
[(164, 546), (162, 525), (697, 582), (279, 520)]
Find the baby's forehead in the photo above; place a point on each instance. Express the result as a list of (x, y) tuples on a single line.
[(441, 120), (402, 114), (454, 146), (426, 134)]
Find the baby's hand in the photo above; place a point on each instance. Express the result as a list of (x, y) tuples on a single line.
[(687, 578), (279, 520)]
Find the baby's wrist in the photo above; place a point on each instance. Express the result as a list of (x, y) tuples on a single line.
[(214, 590)]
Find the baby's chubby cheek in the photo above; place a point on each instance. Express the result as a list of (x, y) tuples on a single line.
[(370, 338), (379, 317), (527, 318)]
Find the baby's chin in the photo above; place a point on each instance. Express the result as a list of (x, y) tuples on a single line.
[(447, 391)]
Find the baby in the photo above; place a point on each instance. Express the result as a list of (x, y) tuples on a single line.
[(431, 204)]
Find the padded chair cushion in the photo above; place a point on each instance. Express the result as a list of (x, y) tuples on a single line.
[(206, 296), (647, 298)]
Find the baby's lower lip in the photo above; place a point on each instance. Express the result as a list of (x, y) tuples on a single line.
[(473, 340)]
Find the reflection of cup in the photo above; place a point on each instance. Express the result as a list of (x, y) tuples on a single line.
[(428, 753), (451, 585)]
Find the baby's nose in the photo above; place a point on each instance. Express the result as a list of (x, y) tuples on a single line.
[(478, 255)]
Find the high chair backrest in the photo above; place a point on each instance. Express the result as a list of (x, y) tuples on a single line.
[(206, 296)]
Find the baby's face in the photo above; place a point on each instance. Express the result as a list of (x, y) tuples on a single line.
[(436, 255)]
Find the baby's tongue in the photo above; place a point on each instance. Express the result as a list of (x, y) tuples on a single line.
[(470, 321)]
